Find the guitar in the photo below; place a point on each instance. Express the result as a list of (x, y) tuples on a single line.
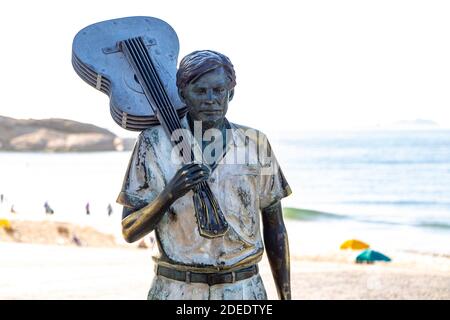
[(99, 61), (133, 60)]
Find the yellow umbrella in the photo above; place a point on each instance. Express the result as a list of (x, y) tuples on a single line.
[(4, 223), (354, 245)]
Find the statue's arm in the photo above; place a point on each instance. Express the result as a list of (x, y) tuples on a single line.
[(277, 248), (138, 222)]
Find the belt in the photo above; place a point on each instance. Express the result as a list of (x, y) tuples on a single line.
[(209, 278)]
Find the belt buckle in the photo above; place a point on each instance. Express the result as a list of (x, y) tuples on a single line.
[(215, 278)]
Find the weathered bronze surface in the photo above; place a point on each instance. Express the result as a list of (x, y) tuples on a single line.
[(277, 247), (207, 97), (134, 61), (206, 213), (98, 59)]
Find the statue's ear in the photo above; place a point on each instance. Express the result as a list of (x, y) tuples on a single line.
[(231, 95), (181, 95)]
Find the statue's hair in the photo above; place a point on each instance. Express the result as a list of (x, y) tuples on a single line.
[(200, 62)]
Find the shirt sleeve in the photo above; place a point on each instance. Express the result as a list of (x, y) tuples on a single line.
[(273, 184), (143, 179)]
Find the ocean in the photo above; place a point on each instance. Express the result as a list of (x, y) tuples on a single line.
[(390, 188)]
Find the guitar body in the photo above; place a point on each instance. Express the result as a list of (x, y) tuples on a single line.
[(98, 60)]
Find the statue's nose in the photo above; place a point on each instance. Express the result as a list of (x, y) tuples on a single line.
[(209, 96)]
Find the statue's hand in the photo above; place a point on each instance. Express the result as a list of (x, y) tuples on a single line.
[(186, 178)]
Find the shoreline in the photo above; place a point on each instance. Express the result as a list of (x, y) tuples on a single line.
[(305, 236), (51, 230)]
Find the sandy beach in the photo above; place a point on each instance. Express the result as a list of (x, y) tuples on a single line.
[(104, 269)]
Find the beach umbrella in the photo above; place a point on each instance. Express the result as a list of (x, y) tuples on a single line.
[(371, 256), (354, 245), (4, 223)]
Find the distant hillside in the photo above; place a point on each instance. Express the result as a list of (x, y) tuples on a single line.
[(416, 123), (58, 135)]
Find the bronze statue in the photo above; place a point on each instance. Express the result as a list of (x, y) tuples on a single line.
[(206, 210), (190, 266)]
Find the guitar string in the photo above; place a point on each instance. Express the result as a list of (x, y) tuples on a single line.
[(149, 60), (163, 108), (168, 107), (203, 184), (157, 98), (164, 93), (150, 63), (146, 84), (142, 73), (163, 112)]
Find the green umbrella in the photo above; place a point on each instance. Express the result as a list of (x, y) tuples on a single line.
[(370, 256)]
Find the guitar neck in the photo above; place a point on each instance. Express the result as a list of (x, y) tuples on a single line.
[(147, 75), (210, 219)]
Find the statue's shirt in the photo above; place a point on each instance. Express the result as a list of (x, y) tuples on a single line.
[(243, 183)]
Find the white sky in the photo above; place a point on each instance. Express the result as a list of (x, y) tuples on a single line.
[(299, 64)]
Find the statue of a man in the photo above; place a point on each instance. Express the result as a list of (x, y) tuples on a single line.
[(157, 195)]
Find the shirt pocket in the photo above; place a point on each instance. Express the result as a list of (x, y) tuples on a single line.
[(240, 196)]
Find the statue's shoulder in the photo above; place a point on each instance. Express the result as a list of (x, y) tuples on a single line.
[(156, 136), (152, 136)]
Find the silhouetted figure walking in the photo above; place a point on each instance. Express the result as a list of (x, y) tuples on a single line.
[(88, 210), (48, 209), (110, 210), (76, 240)]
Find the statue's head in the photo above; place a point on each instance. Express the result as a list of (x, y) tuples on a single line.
[(206, 81)]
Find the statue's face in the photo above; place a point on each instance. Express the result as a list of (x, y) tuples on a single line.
[(208, 96)]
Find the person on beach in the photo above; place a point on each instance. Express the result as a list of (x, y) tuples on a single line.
[(76, 240), (110, 210), (87, 208), (48, 209), (152, 242), (157, 195)]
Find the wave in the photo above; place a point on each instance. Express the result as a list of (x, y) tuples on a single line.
[(312, 215), (306, 214), (434, 225)]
